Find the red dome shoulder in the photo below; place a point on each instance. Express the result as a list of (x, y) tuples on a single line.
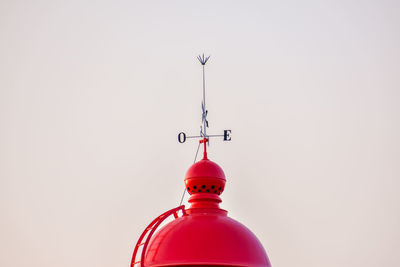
[(207, 240)]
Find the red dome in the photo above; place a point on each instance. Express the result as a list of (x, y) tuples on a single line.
[(205, 176), (204, 235), (207, 239)]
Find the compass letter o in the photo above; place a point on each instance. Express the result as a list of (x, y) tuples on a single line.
[(181, 137)]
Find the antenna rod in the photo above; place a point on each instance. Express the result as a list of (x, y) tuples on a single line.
[(203, 60), (204, 101)]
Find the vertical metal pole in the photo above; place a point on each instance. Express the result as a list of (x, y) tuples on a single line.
[(204, 102)]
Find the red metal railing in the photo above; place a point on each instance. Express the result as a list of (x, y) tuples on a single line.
[(152, 228)]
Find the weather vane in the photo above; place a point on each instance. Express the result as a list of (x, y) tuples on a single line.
[(204, 122)]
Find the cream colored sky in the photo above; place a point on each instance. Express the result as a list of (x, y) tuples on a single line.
[(93, 94)]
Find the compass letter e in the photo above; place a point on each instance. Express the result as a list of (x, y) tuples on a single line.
[(227, 135)]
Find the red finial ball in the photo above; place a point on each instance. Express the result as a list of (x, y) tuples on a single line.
[(205, 176)]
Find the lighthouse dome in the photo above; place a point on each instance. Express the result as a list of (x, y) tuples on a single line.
[(205, 235), (206, 239)]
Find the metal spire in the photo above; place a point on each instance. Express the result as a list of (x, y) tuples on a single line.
[(203, 128), (203, 60)]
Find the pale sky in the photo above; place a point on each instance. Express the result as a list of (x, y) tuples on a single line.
[(94, 93)]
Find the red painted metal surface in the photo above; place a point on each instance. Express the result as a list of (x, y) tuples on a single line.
[(206, 237), (205, 176)]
